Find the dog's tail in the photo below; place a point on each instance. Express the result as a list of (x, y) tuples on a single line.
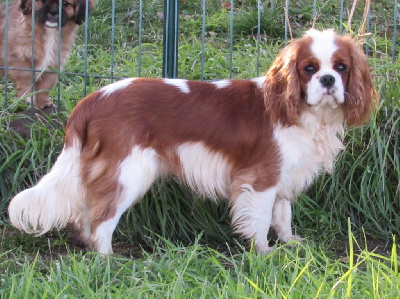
[(60, 196), (57, 199)]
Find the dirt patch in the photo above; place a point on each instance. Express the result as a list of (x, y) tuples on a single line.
[(367, 243), (21, 123), (58, 243), (55, 244)]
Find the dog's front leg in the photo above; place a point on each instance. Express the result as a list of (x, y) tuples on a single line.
[(251, 213), (43, 84), (22, 83), (282, 221)]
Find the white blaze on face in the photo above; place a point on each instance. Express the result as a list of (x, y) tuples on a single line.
[(323, 48)]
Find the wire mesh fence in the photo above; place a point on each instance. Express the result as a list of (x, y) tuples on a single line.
[(204, 39)]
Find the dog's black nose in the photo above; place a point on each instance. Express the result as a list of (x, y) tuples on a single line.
[(327, 80), (53, 9)]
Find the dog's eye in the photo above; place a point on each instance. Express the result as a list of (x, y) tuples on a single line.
[(341, 68), (309, 69), (65, 3)]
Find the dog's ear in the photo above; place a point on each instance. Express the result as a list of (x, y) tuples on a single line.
[(25, 6), (80, 10), (361, 96), (282, 88)]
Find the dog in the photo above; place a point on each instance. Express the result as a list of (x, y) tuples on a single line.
[(258, 143), (45, 51)]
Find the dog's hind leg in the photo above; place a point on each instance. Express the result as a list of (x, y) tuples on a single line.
[(82, 224), (136, 174)]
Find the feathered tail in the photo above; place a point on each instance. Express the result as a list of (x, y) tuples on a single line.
[(57, 199)]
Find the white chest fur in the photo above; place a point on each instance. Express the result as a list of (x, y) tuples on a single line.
[(308, 149), (50, 50)]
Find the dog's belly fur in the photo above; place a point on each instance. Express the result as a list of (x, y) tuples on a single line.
[(205, 172)]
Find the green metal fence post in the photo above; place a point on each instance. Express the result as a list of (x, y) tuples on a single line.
[(85, 73), (394, 31), (170, 43), (5, 58)]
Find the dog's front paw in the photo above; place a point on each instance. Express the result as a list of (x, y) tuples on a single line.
[(45, 104), (264, 249), (40, 102), (261, 246), (288, 238)]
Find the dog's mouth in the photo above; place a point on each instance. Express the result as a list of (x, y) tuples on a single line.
[(50, 17), (329, 101), (51, 24)]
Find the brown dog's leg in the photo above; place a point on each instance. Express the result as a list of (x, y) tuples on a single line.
[(46, 82), (22, 83)]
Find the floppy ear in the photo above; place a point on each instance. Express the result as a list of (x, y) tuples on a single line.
[(282, 93), (80, 10), (360, 95), (25, 6)]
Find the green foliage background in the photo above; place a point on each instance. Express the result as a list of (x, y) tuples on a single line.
[(364, 187)]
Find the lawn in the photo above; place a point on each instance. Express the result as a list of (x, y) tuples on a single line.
[(173, 244)]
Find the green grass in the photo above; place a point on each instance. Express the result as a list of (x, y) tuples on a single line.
[(197, 271), (173, 244)]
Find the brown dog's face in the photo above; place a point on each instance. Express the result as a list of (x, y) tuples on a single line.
[(47, 11), (47, 16)]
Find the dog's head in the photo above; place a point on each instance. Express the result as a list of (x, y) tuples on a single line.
[(47, 11), (320, 70)]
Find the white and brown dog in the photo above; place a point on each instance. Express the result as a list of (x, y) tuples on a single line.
[(45, 49), (257, 142)]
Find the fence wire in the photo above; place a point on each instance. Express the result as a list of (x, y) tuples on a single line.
[(110, 19)]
